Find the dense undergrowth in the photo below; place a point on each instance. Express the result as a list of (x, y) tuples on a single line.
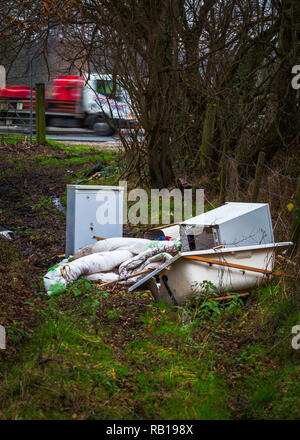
[(109, 354)]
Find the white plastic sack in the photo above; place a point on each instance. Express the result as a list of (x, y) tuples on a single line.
[(138, 262), (66, 273), (105, 277), (151, 263), (54, 282), (134, 245)]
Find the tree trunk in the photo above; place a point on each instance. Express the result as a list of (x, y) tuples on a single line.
[(207, 135), (295, 232), (160, 97), (159, 161)]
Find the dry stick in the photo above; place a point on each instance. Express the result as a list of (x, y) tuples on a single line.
[(292, 277), (125, 279), (163, 227), (258, 174), (220, 298), (236, 266), (94, 175), (287, 260)]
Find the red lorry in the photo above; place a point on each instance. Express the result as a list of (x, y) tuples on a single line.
[(71, 101)]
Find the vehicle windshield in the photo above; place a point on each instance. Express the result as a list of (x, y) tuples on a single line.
[(106, 87)]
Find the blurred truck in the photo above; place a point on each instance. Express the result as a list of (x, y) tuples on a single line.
[(93, 102)]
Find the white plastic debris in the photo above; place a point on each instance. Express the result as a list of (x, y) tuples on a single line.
[(94, 263), (157, 251), (172, 232), (105, 277), (58, 205), (6, 234), (134, 245), (54, 282)]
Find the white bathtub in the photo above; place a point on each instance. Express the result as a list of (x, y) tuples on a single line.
[(182, 276)]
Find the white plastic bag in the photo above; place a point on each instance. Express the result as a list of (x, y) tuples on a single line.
[(138, 262), (134, 245), (57, 279), (105, 277)]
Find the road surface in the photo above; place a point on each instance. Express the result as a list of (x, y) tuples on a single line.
[(79, 138), (72, 135)]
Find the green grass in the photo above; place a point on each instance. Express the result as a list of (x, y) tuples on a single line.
[(81, 148), (268, 367), (114, 355), (53, 161), (74, 367), (8, 138)]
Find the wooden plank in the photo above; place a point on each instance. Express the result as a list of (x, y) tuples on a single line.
[(224, 263), (163, 226)]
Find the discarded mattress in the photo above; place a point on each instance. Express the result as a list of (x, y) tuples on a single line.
[(134, 245), (57, 278), (108, 260)]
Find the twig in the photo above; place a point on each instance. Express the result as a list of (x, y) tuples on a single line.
[(94, 175), (163, 227), (286, 259), (221, 298)]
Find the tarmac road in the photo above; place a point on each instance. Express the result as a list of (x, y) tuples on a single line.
[(78, 135), (72, 135)]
